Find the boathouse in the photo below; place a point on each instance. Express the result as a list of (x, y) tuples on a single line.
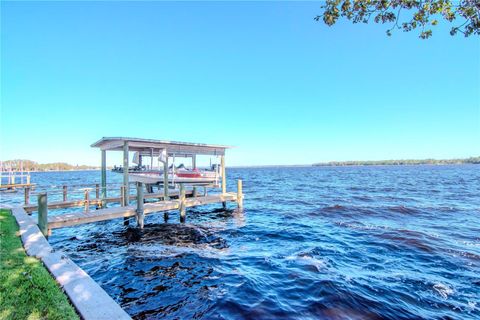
[(175, 192)]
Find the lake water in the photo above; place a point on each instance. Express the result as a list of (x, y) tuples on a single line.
[(393, 242)]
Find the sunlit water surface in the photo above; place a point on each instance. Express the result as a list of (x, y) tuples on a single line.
[(315, 242)]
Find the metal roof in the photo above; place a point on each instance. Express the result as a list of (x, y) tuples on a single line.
[(149, 146)]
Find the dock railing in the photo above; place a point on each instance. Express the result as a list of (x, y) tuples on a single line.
[(80, 195)]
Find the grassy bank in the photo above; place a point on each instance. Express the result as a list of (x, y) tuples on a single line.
[(27, 290)]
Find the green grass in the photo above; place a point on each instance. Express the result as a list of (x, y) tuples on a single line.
[(27, 290)]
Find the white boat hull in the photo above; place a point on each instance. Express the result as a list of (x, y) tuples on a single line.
[(157, 178)]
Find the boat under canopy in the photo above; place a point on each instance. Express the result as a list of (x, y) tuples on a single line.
[(163, 153), (178, 175)]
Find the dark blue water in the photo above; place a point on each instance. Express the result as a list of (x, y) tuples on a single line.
[(318, 242)]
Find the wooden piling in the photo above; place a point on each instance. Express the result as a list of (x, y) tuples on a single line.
[(122, 196), (87, 199), (149, 188), (224, 180), (182, 205), (165, 177), (64, 193), (239, 194), (43, 213), (123, 203), (125, 172), (140, 213), (104, 178), (97, 191), (27, 195), (194, 166)]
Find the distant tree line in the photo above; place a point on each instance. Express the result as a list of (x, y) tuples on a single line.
[(471, 160), (29, 165)]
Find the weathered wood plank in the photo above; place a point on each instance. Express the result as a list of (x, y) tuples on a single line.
[(16, 185)]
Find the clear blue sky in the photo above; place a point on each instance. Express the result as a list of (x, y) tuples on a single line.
[(262, 76)]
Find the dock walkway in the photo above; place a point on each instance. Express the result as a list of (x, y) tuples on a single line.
[(71, 219)]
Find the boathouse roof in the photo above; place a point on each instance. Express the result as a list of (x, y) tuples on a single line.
[(149, 146)]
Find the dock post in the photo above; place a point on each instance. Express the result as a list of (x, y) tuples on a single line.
[(194, 166), (239, 194), (27, 195), (125, 173), (64, 193), (87, 199), (122, 196), (165, 177), (123, 203), (104, 178), (151, 158), (43, 213), (97, 191), (224, 180), (28, 178), (182, 205), (140, 213)]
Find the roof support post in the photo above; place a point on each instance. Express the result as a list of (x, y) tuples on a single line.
[(140, 213), (104, 178), (125, 173), (224, 180), (165, 177), (194, 166), (151, 158)]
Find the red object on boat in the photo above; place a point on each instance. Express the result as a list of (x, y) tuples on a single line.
[(188, 174)]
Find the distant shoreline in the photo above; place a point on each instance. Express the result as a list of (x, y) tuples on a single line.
[(435, 162), (68, 170), (393, 165), (471, 160)]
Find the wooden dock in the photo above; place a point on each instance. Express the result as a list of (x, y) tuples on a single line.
[(173, 196), (71, 219), (98, 201), (15, 178), (178, 200)]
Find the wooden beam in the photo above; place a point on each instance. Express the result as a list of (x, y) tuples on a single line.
[(194, 166), (151, 158), (165, 177), (182, 203), (140, 213), (239, 194), (43, 213), (104, 178), (224, 178), (64, 193), (87, 199), (27, 195), (125, 172)]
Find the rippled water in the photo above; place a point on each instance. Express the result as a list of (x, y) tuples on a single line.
[(315, 242)]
